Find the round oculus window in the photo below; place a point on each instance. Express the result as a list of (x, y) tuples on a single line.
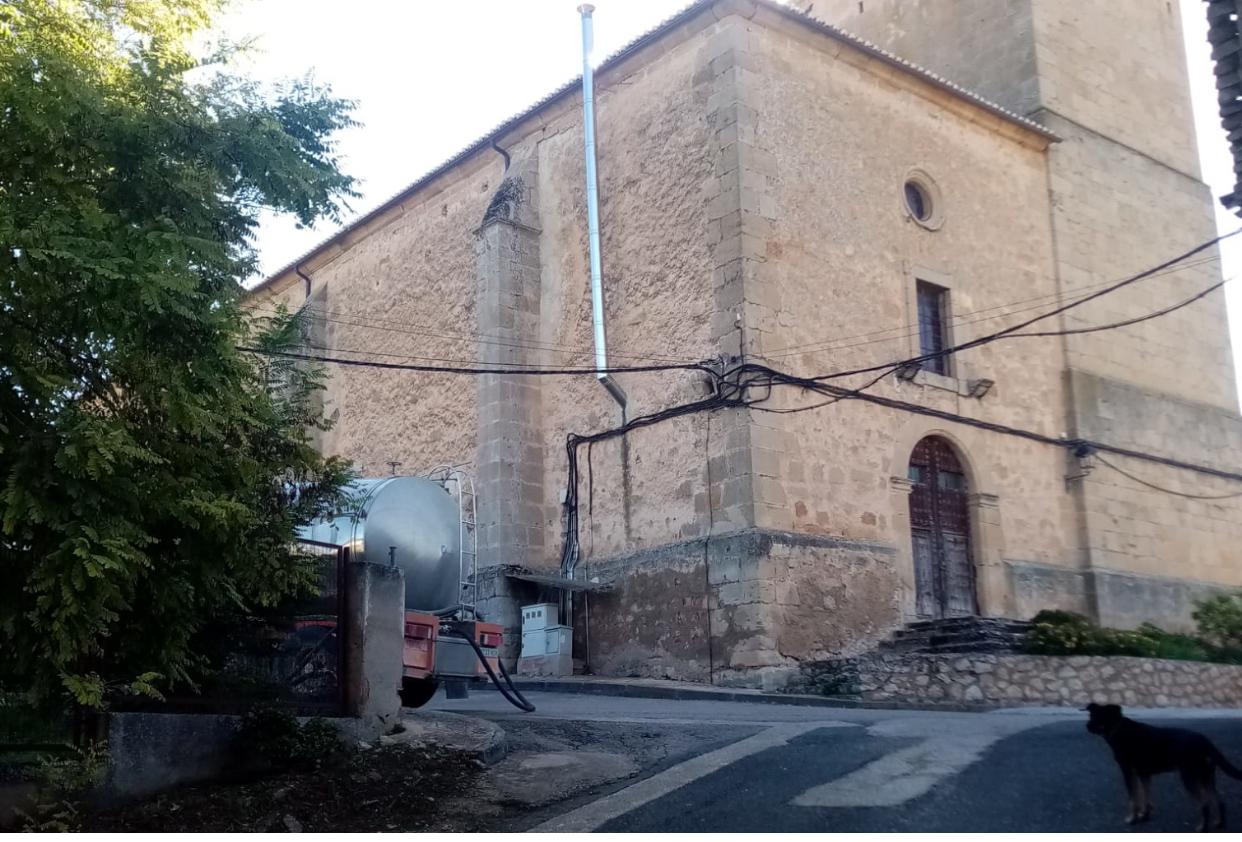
[(917, 201), (922, 200)]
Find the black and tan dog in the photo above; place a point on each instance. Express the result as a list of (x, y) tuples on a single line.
[(1145, 750)]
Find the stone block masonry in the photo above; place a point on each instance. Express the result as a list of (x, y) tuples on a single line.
[(743, 610), (1020, 680), (752, 165)]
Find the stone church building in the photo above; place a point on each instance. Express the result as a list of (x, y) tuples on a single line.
[(816, 194)]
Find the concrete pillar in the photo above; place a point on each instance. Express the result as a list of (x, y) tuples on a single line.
[(510, 447), (374, 643)]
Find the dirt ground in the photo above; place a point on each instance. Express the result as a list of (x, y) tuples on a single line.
[(425, 788), (404, 788)]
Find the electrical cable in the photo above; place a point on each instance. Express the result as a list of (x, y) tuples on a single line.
[(412, 329), (1137, 319), (1161, 488), (1012, 329), (449, 360), (807, 382), (471, 370), (959, 319), (781, 377)]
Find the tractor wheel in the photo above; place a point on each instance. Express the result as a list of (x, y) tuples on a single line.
[(416, 692)]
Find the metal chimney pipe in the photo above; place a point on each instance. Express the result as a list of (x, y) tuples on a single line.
[(592, 197)]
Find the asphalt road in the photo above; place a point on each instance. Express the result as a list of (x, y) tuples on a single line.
[(1055, 778), (820, 769)]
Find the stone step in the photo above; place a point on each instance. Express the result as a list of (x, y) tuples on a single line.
[(986, 631), (956, 647), (981, 633), (973, 647), (958, 635), (967, 622)]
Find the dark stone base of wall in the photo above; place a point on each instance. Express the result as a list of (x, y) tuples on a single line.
[(499, 600), (1124, 600), (1119, 600), (741, 609)]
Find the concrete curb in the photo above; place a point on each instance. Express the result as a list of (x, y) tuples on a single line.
[(719, 694), (482, 739)]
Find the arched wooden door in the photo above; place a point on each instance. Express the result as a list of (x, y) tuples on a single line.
[(944, 573)]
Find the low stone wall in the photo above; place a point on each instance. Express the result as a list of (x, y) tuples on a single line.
[(1012, 680), (151, 752)]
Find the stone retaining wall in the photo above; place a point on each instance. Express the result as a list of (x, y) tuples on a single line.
[(1026, 680)]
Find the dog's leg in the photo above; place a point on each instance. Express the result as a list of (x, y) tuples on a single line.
[(1217, 820), (1144, 792), (1135, 815), (1200, 791)]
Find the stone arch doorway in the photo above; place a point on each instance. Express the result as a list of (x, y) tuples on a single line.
[(944, 570)]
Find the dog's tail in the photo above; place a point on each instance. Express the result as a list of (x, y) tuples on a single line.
[(1224, 765)]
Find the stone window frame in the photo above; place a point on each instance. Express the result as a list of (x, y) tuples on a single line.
[(932, 196), (958, 380)]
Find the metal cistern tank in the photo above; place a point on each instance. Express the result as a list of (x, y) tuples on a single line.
[(412, 522)]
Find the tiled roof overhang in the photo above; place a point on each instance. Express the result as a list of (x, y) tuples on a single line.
[(1226, 40)]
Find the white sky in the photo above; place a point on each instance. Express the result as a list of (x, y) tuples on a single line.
[(431, 76)]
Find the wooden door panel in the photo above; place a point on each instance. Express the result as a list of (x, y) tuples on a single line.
[(959, 577), (940, 530), (924, 543)]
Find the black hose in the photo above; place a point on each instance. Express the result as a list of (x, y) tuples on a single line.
[(520, 701), (512, 688)]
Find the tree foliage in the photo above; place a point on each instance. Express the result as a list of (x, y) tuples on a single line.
[(150, 478)]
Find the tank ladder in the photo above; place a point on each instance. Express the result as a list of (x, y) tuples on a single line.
[(467, 513)]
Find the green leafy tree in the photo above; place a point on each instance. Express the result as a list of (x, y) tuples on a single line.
[(151, 477)]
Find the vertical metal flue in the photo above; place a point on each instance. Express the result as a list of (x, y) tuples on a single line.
[(592, 198)]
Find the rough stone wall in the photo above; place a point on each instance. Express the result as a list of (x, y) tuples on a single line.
[(652, 622), (1014, 680), (1118, 177), (655, 164), (1107, 66), (1153, 552), (766, 600), (1118, 213), (986, 46), (751, 200), (1124, 196), (403, 286), (842, 261), (1111, 68), (783, 598)]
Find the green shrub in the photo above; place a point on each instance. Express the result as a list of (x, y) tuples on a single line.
[(273, 737), (1219, 619), (1067, 633), (1061, 633), (62, 782)]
